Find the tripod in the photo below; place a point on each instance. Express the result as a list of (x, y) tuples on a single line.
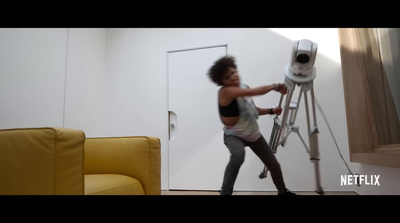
[(282, 128)]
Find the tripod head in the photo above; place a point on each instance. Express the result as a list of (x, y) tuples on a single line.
[(301, 68)]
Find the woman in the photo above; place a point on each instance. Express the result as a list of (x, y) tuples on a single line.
[(239, 116)]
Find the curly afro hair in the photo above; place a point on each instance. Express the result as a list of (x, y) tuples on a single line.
[(220, 67)]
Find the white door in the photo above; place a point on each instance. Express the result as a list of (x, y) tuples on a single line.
[(197, 154)]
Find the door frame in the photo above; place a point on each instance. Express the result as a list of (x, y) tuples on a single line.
[(167, 83)]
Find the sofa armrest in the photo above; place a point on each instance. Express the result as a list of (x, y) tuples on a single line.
[(41, 161), (135, 156)]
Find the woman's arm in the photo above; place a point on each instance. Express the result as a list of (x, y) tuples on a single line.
[(234, 92), (269, 111)]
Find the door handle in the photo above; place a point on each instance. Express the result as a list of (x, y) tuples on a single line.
[(172, 129)]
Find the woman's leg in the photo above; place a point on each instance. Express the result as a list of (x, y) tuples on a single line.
[(236, 148), (263, 151)]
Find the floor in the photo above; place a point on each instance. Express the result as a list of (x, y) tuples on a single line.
[(183, 192)]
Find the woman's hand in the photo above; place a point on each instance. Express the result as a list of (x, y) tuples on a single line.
[(282, 88), (277, 110)]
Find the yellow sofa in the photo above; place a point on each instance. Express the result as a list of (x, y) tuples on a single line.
[(61, 161), (123, 165)]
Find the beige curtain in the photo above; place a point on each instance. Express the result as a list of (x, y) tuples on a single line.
[(363, 46)]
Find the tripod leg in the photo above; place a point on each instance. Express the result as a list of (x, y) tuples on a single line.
[(318, 188), (313, 137), (277, 128), (283, 122), (263, 174), (273, 141), (274, 134)]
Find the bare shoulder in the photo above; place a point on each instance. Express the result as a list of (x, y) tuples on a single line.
[(229, 89), (234, 92)]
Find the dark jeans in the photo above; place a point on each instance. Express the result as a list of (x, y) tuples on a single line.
[(261, 148)]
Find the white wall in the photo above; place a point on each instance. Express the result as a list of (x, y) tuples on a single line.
[(32, 73), (84, 102), (52, 77), (113, 83)]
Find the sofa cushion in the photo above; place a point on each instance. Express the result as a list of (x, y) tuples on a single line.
[(112, 184)]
